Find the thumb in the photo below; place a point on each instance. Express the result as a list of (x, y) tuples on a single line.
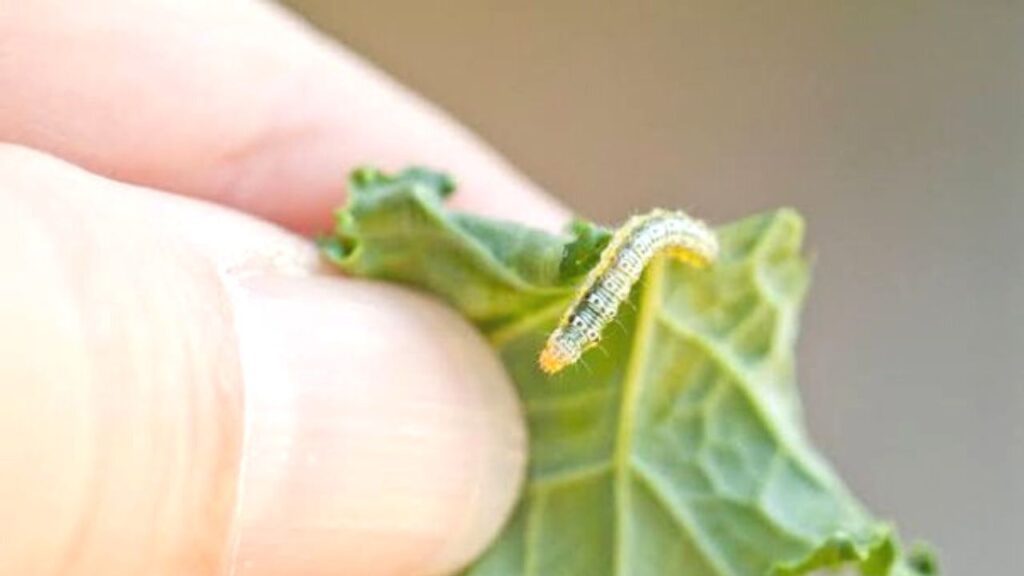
[(182, 393)]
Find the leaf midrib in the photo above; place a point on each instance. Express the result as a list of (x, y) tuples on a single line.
[(622, 466), (650, 295)]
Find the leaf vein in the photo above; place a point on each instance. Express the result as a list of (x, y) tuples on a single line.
[(685, 524), (643, 331)]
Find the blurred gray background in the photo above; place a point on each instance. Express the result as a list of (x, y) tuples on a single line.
[(896, 127)]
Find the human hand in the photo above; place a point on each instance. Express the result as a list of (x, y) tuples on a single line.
[(183, 390)]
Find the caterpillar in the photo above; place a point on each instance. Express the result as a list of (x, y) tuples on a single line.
[(620, 266)]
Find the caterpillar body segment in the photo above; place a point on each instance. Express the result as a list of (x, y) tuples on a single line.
[(621, 265)]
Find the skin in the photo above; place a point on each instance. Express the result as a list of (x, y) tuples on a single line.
[(183, 388)]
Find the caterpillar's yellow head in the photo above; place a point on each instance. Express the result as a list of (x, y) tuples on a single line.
[(556, 355), (551, 361)]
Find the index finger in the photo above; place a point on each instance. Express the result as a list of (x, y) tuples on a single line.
[(233, 101)]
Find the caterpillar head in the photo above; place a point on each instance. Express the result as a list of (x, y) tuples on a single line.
[(557, 354)]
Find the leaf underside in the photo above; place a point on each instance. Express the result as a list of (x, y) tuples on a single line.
[(677, 447)]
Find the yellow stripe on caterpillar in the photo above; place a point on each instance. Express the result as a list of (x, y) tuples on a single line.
[(622, 263)]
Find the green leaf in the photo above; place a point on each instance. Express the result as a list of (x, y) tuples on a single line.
[(677, 447)]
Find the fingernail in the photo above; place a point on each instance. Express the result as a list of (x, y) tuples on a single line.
[(382, 434)]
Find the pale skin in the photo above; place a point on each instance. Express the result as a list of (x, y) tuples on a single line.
[(183, 388)]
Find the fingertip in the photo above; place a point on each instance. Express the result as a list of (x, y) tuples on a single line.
[(206, 399), (383, 436), (337, 113), (234, 102)]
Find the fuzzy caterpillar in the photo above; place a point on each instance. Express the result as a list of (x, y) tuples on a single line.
[(621, 264)]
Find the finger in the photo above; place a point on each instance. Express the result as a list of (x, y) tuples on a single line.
[(232, 101), (182, 392)]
